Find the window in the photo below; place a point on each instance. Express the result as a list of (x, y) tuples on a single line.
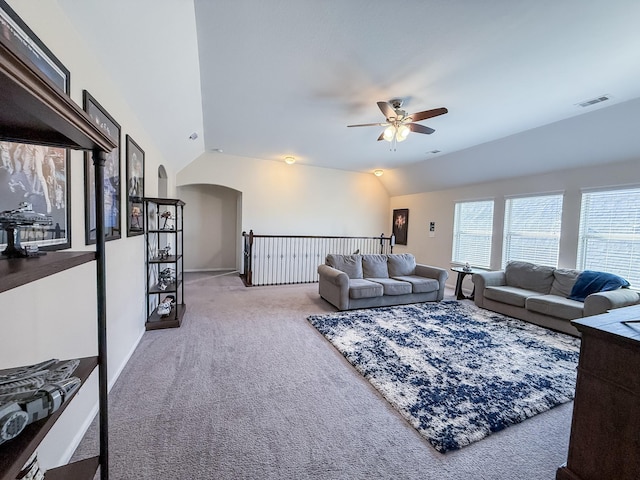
[(472, 229), (532, 229), (609, 238)]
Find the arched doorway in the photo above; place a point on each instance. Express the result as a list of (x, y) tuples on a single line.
[(162, 182)]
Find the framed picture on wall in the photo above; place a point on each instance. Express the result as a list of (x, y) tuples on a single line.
[(135, 187), (35, 175), (111, 176), (401, 225)]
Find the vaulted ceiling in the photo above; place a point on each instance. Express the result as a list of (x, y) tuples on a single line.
[(271, 78)]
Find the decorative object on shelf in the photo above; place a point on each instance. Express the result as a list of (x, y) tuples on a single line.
[(31, 393), (467, 267), (167, 216), (135, 187), (164, 307), (31, 469), (400, 225), (111, 185), (12, 220), (165, 267)]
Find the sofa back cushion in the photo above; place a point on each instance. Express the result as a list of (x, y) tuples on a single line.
[(401, 264), (529, 276), (563, 281), (374, 266), (349, 264)]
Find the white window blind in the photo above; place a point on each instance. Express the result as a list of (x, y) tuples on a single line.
[(472, 232), (532, 229), (609, 238)]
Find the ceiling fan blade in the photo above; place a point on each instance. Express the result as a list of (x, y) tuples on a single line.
[(387, 110), (417, 128), (416, 117), (381, 137), (368, 125)]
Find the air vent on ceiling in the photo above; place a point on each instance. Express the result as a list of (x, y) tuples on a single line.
[(434, 151), (593, 101)]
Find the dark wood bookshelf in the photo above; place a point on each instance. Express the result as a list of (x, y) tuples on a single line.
[(81, 470), (15, 272), (15, 453)]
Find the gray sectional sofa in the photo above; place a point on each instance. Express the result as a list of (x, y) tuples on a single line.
[(540, 295), (361, 281)]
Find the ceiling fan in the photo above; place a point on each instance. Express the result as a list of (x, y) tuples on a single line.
[(399, 124)]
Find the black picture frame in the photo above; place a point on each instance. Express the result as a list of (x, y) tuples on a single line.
[(134, 188), (112, 171), (35, 174), (400, 225)]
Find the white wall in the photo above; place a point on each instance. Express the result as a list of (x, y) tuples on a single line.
[(439, 207), (296, 199), (56, 317), (210, 227)]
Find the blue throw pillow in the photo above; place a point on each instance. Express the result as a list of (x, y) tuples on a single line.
[(589, 282)]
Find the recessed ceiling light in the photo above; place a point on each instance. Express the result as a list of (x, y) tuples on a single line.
[(378, 172), (290, 160)]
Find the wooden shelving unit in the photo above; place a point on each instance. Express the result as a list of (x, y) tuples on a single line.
[(34, 110), (158, 236)]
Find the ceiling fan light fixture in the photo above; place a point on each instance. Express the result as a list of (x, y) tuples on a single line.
[(403, 133), (389, 133)]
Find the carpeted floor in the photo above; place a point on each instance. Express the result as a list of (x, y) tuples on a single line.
[(248, 389), (455, 372)]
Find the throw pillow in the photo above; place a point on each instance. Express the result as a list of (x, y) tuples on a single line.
[(590, 281)]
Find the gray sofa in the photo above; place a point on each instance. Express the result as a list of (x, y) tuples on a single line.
[(362, 281), (540, 295)]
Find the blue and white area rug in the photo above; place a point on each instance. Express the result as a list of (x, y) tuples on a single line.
[(456, 372)]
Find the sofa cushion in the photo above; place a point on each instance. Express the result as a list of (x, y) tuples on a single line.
[(374, 266), (360, 288), (393, 287), (563, 281), (401, 264), (555, 306), (590, 281), (509, 295), (349, 264), (420, 284), (529, 276)]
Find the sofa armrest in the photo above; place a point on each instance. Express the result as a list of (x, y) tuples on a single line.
[(601, 302), (333, 286), (436, 273), (486, 279)]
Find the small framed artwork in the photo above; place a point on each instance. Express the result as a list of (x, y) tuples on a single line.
[(135, 187), (401, 225), (35, 177), (111, 186)]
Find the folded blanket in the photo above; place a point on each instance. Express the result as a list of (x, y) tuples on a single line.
[(589, 282)]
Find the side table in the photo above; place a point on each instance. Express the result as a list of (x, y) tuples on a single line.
[(461, 274)]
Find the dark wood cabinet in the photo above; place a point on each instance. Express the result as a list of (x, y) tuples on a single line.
[(605, 428), (34, 110)]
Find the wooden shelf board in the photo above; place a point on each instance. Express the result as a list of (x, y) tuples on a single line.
[(15, 272), (155, 322), (15, 453), (80, 470)]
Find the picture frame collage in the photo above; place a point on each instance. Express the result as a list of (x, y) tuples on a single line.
[(38, 177)]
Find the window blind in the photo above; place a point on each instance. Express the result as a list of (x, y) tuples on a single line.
[(609, 238), (472, 233), (532, 229)]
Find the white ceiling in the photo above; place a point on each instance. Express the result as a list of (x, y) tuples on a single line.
[(270, 78)]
